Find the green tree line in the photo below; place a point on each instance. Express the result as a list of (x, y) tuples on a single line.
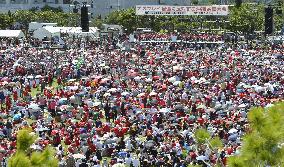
[(46, 14), (244, 19)]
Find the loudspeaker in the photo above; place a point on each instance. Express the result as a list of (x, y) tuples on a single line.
[(238, 3), (84, 19), (268, 23)]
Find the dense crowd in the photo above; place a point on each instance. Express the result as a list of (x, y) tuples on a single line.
[(190, 37), (138, 107)]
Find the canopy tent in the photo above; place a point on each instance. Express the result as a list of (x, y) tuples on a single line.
[(56, 31), (12, 33)]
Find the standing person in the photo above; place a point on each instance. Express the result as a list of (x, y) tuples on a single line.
[(9, 129), (42, 86), (2, 98), (107, 111)]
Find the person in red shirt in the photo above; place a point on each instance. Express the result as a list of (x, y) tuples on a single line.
[(15, 95), (8, 103)]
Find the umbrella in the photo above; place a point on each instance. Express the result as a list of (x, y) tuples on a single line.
[(54, 132), (122, 154), (202, 106), (73, 87), (137, 78), (105, 80), (148, 80), (165, 110), (141, 95), (17, 117), (124, 93), (107, 94), (5, 79), (172, 79), (42, 129), (233, 130), (62, 101), (149, 144), (34, 106), (97, 103), (79, 156), (35, 147), (269, 105), (242, 106), (112, 90), (30, 77), (176, 83), (201, 158), (153, 94)]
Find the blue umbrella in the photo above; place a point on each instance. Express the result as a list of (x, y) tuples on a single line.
[(122, 154), (17, 117), (63, 101), (83, 130)]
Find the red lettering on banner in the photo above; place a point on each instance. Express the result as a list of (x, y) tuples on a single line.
[(224, 9), (214, 9), (169, 9), (164, 9)]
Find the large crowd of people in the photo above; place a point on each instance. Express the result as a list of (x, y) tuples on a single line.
[(102, 105)]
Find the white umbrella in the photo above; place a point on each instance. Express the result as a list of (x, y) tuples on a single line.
[(112, 90), (34, 106), (233, 130), (269, 105), (107, 94), (201, 158), (141, 94), (176, 83), (30, 77), (165, 110), (79, 156), (153, 94), (97, 103), (172, 79), (137, 78), (73, 87), (124, 93), (148, 80), (242, 106), (202, 106)]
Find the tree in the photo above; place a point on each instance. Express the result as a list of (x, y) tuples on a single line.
[(246, 18), (5, 21), (24, 17), (263, 145), (24, 157)]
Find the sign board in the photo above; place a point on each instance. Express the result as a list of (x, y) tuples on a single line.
[(218, 10)]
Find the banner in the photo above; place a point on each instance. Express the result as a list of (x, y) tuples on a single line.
[(219, 10)]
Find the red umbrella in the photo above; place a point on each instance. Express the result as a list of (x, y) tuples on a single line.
[(54, 132), (156, 77), (5, 79)]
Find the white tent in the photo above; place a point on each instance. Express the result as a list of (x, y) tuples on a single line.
[(12, 33), (55, 31)]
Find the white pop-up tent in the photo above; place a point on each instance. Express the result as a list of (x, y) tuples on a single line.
[(56, 31), (12, 33)]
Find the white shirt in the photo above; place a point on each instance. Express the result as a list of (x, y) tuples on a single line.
[(135, 162), (128, 161)]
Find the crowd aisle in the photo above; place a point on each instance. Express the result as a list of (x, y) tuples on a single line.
[(102, 106)]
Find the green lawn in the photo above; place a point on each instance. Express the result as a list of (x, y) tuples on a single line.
[(35, 91)]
